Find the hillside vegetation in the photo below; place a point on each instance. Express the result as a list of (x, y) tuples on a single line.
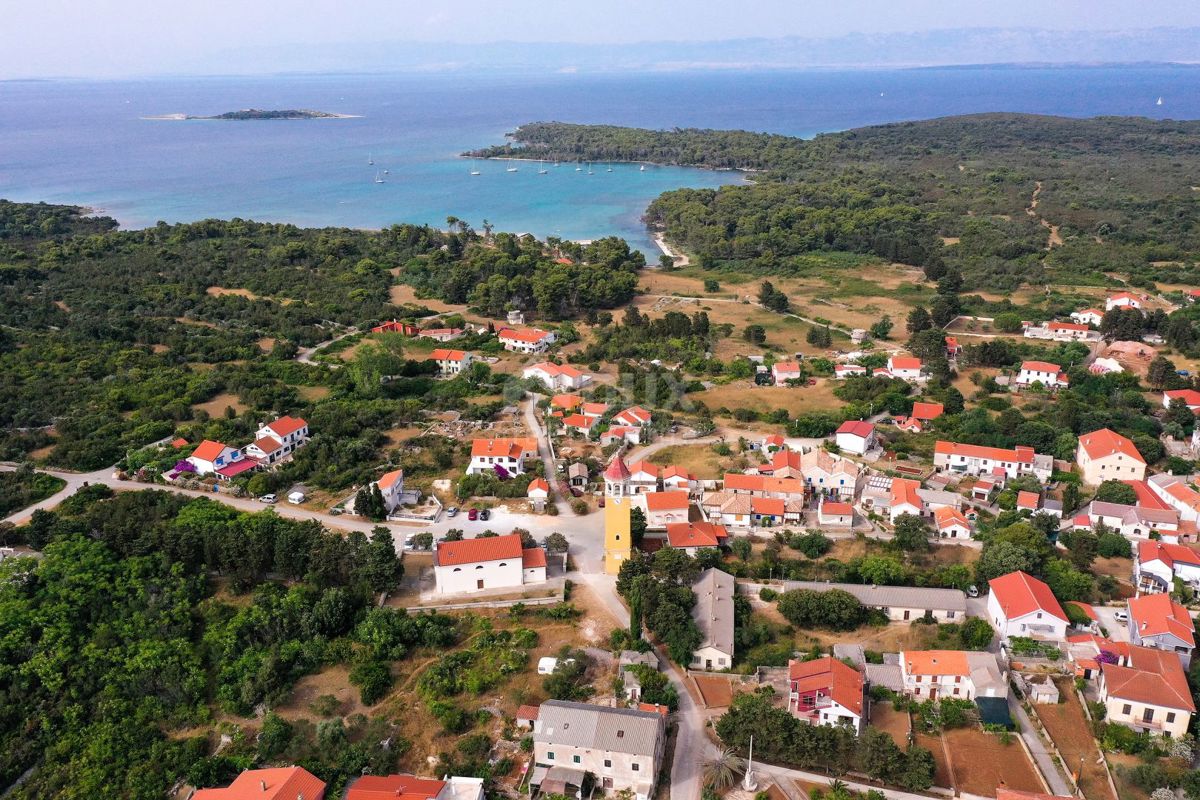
[(1006, 198)]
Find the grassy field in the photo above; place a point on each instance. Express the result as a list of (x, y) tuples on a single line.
[(744, 394), (699, 459)]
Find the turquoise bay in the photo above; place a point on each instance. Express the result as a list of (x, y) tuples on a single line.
[(86, 142)]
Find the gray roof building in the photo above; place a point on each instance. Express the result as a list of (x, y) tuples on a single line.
[(891, 596), (612, 730), (713, 611)]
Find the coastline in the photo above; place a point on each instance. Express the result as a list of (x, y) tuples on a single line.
[(743, 170), (196, 118)]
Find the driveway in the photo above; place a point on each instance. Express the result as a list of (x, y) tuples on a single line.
[(1118, 630)]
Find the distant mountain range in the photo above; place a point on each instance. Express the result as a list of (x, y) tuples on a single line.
[(929, 48)]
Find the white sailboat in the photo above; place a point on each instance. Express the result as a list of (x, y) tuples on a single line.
[(542, 168), (387, 172), (511, 169), (578, 168), (1159, 103), (642, 168), (474, 168), (370, 160), (590, 170), (610, 168), (378, 178)]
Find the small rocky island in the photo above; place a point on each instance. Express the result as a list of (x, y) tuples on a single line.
[(260, 114)]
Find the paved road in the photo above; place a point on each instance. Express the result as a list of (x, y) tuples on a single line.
[(305, 355), (692, 747), (1059, 785), (534, 424)]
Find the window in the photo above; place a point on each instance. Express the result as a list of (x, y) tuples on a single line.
[(956, 690), (550, 755), (636, 766), (458, 569), (575, 759), (620, 734), (503, 564), (950, 614), (1170, 716), (1125, 709), (608, 763), (1148, 715), (479, 566)]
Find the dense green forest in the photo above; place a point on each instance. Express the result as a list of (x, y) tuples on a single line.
[(124, 637), (109, 339), (990, 194)]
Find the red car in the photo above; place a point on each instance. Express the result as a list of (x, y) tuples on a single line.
[(473, 514)]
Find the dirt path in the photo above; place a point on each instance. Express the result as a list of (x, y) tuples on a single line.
[(1055, 238)]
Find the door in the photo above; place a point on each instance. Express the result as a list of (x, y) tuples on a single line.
[(708, 663), (933, 693), (479, 584), (906, 613)]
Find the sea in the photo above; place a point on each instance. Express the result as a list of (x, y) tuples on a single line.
[(88, 142)]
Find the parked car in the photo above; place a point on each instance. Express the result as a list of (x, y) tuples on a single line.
[(972, 591), (576, 491), (484, 515), (1121, 616), (452, 511), (268, 498), (600, 502), (473, 514), (296, 498)]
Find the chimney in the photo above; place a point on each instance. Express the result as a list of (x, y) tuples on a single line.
[(262, 785)]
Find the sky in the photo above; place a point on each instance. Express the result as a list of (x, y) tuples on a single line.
[(111, 38)]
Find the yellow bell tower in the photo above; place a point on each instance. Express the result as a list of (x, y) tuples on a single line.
[(618, 539)]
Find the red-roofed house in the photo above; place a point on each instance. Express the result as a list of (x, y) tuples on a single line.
[(179, 442), (678, 479), (643, 477), (525, 340), (391, 488), (276, 783), (410, 787), (848, 370), (953, 348), (855, 436), (1157, 621), (210, 456), (566, 402), (1065, 331), (1158, 564), (578, 424), (906, 368), (1147, 690), (1122, 300), (450, 362), (693, 536), (1050, 376), (663, 508), (504, 457), (495, 562), (1107, 455), (290, 432), (538, 489), (395, 326), (833, 514), (634, 416), (442, 335), (784, 371), (621, 433), (1022, 605), (951, 523), (826, 691), (770, 443), (1089, 316), (1028, 501), (973, 459), (558, 377), (927, 411), (905, 499), (1190, 398), (267, 450)]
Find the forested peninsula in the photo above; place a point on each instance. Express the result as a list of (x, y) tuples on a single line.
[(260, 114), (1000, 199)]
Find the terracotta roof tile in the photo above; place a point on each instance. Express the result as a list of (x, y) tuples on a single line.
[(473, 551)]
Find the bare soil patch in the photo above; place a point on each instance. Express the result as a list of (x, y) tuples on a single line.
[(942, 775), (715, 692), (981, 763), (216, 407), (885, 717), (221, 291), (1071, 733), (402, 294), (699, 459), (313, 393)]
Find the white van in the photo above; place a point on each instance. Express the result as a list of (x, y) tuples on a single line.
[(296, 498)]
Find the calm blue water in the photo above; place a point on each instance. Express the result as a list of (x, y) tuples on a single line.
[(83, 142)]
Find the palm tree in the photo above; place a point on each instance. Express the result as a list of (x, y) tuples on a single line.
[(722, 772)]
